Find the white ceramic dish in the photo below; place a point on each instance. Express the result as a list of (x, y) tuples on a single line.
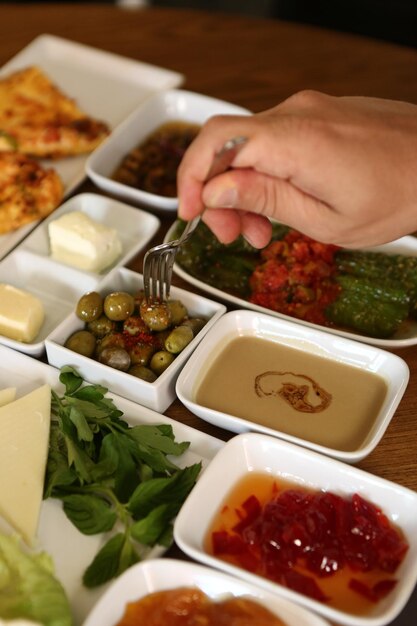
[(135, 227), (163, 574), (406, 337), (254, 452), (72, 551), (105, 85), (171, 105), (58, 288), (240, 323), (157, 395)]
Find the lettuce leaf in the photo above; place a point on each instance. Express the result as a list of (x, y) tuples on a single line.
[(28, 587)]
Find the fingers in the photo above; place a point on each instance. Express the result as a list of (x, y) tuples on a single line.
[(228, 224)]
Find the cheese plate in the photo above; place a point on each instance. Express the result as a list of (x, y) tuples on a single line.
[(72, 551), (105, 85)]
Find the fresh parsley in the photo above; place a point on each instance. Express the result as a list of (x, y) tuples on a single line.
[(112, 477)]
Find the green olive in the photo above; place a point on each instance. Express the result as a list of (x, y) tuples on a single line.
[(140, 371), (89, 306), (156, 315), (160, 361), (82, 342), (119, 305), (178, 311), (115, 357), (112, 340), (195, 323), (134, 324), (141, 353), (101, 326), (178, 339)]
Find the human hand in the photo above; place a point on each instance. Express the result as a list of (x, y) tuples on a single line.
[(342, 170)]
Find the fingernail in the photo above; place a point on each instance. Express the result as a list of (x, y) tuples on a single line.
[(226, 198)]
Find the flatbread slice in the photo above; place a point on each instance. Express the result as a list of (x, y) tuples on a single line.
[(28, 191), (37, 119)]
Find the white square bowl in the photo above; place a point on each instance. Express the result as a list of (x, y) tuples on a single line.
[(162, 574), (240, 323), (253, 452), (57, 290), (157, 395), (134, 227), (170, 105)]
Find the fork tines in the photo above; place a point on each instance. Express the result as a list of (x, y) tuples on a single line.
[(158, 264)]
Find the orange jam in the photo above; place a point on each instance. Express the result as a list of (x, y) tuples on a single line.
[(188, 606)]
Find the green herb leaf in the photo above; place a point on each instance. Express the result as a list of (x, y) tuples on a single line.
[(70, 378), (154, 437), (156, 491), (150, 528), (84, 432), (117, 555), (89, 513)]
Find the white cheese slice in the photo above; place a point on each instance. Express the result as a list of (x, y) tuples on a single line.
[(7, 395), (21, 313), (24, 440), (80, 241)]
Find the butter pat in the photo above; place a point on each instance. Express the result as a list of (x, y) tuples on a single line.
[(24, 441), (80, 241), (21, 313)]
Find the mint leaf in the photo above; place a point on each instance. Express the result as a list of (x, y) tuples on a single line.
[(114, 558), (150, 528), (89, 513), (173, 489)]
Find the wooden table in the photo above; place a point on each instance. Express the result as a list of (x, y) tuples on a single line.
[(254, 63)]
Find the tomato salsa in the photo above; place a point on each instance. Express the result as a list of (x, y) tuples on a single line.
[(296, 277), (188, 606), (339, 550)]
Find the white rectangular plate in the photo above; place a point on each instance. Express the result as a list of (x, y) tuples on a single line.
[(163, 574), (253, 452), (72, 551), (106, 86), (406, 337)]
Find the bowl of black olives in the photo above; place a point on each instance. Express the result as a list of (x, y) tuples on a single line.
[(135, 348)]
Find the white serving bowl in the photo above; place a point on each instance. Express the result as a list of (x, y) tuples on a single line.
[(307, 340), (157, 395), (134, 227), (162, 574), (253, 452), (170, 105)]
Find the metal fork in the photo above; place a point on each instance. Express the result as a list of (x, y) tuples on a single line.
[(159, 260)]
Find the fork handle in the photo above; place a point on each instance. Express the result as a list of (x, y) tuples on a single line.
[(221, 163)]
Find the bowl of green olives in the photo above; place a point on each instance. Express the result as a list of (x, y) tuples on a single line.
[(136, 349)]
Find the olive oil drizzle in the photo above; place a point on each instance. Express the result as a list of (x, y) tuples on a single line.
[(293, 394)]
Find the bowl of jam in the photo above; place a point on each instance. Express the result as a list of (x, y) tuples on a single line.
[(331, 537)]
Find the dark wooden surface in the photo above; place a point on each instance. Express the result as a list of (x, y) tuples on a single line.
[(254, 63)]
